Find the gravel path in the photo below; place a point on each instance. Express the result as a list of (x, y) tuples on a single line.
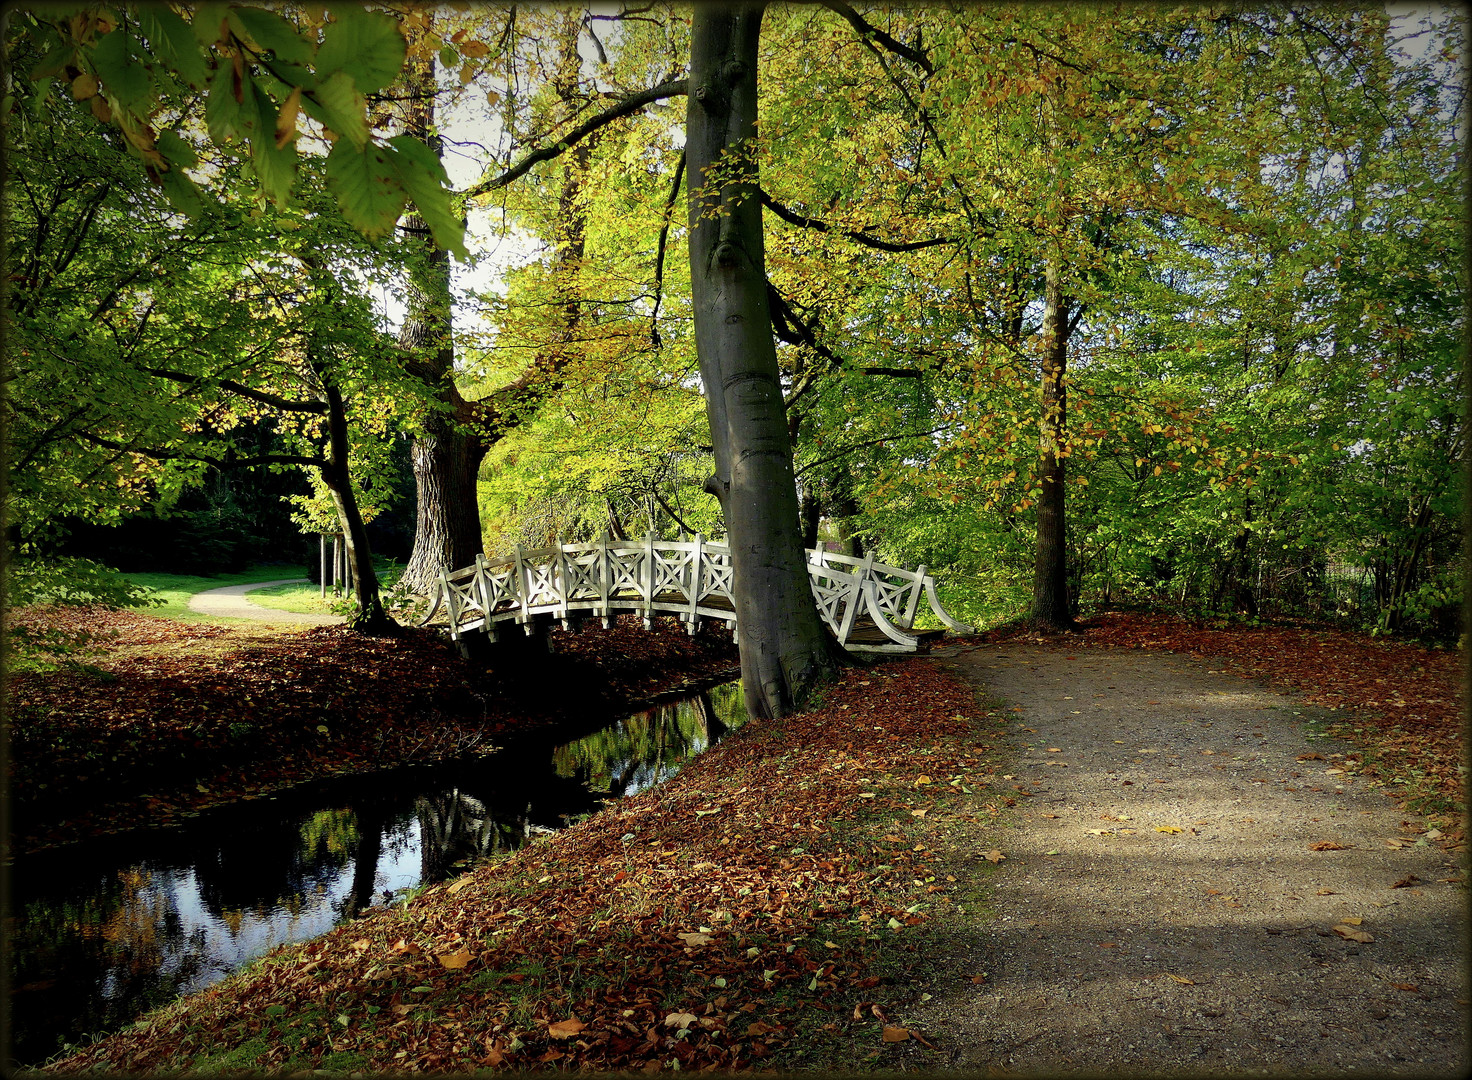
[(230, 603), (1160, 908)]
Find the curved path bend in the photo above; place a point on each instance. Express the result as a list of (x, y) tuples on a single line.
[(230, 602), (1174, 880)]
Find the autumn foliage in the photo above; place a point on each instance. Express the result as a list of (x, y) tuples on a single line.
[(752, 907)]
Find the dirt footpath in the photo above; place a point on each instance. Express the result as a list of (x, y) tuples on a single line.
[(1171, 889)]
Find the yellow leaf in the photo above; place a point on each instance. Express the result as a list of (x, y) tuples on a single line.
[(680, 1019), (695, 939), (1168, 829), (1352, 922), (917, 813), (467, 72), (466, 880), (1353, 935), (896, 1034), (361, 945), (84, 86), (455, 960), (994, 856), (565, 1029), (286, 118), (1183, 982)]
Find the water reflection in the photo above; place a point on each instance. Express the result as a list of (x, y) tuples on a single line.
[(100, 933)]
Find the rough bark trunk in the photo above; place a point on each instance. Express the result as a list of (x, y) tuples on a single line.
[(447, 454), (456, 438), (1050, 610), (786, 650)]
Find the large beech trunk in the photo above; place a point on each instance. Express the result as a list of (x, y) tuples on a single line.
[(786, 650), (1050, 610)]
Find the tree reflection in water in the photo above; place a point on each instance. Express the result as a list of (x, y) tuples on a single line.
[(100, 933)]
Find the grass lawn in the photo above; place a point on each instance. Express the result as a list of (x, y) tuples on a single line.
[(176, 589), (301, 597)]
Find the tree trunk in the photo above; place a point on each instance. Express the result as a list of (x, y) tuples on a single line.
[(786, 650), (447, 455), (370, 617), (456, 437), (1050, 609)]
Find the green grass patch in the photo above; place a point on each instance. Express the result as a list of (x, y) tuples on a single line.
[(176, 589)]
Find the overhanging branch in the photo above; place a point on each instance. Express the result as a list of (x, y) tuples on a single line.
[(792, 217), (624, 107)]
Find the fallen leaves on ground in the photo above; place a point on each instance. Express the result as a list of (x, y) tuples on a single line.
[(771, 927)]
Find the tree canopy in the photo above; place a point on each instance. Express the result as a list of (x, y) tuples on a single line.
[(1183, 285)]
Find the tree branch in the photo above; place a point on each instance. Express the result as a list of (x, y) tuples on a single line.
[(664, 233), (794, 218), (866, 29), (219, 463), (262, 396), (625, 107)]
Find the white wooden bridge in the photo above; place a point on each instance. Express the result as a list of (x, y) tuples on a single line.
[(869, 606)]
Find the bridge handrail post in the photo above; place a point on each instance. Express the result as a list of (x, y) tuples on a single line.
[(649, 575), (604, 574), (851, 609), (522, 591), (697, 579), (452, 605)]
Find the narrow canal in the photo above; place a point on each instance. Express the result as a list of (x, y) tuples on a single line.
[(101, 932)]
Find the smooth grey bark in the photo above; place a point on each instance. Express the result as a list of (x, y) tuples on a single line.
[(786, 650), (1050, 608)]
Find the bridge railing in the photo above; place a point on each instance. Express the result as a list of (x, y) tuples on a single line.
[(689, 579)]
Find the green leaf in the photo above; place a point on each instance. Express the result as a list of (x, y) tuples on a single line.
[(367, 187), (206, 22), (124, 78), (56, 58), (276, 167), (338, 105), (271, 31), (449, 58), (176, 150), (423, 177), (365, 44), (222, 112), (173, 41)]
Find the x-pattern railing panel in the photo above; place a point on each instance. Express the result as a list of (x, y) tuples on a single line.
[(689, 579)]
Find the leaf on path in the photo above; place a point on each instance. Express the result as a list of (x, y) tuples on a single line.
[(1169, 828), (896, 1034), (1325, 892), (1329, 845), (565, 1029), (1353, 935), (455, 960), (1409, 879), (1412, 987), (1310, 757), (1179, 979), (994, 856), (1351, 921)]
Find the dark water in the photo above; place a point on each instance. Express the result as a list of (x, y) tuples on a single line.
[(101, 932)]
